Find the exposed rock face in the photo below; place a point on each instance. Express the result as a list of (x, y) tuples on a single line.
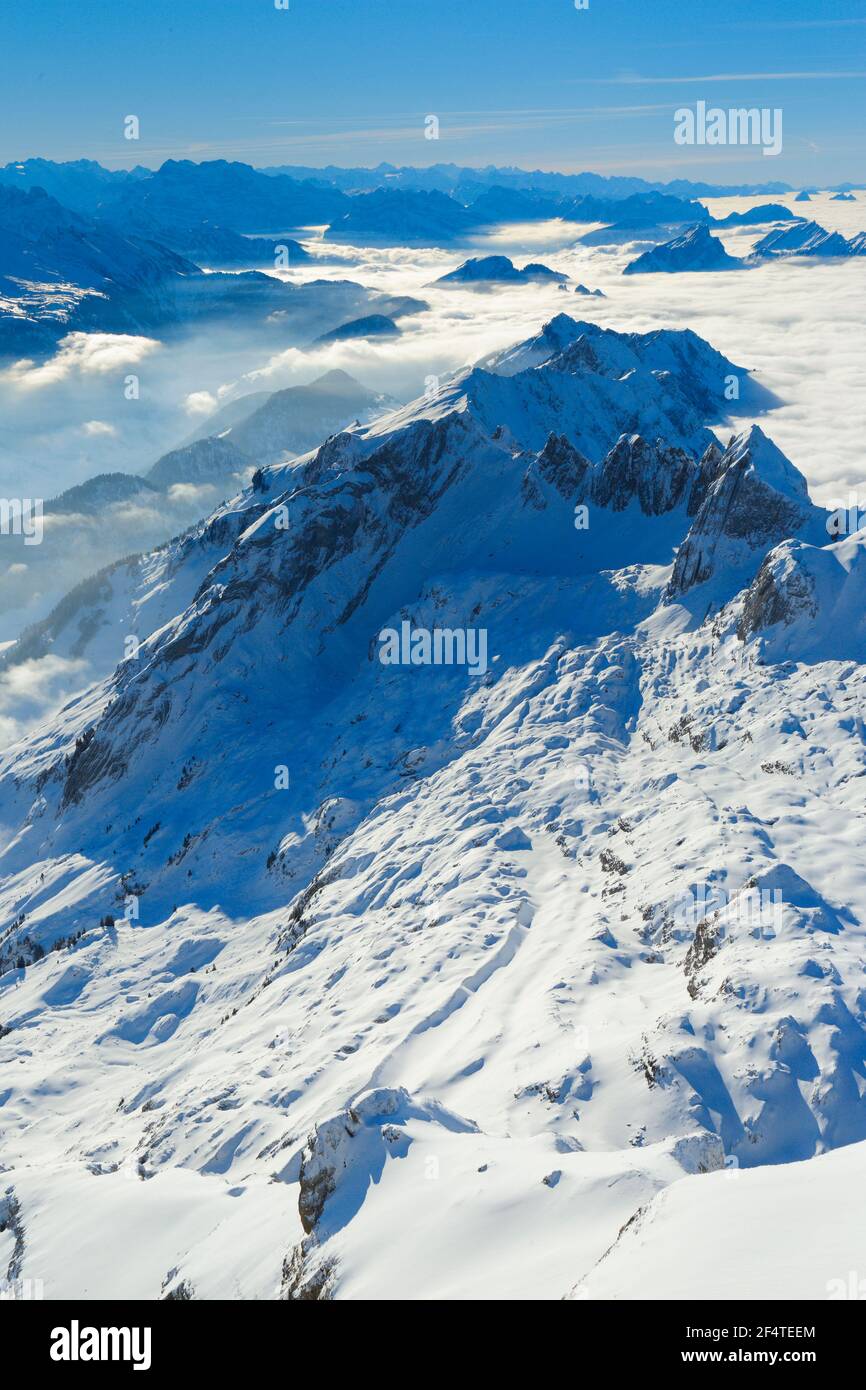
[(778, 594), (659, 477), (341, 1157), (330, 1153), (754, 499), (709, 470), (808, 601), (565, 467)]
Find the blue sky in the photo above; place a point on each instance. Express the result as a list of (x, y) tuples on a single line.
[(535, 83)]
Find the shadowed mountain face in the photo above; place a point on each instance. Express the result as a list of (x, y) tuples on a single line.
[(234, 194), (766, 212), (499, 270), (63, 272), (370, 326)]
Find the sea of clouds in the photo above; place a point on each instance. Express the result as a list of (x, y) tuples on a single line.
[(798, 325)]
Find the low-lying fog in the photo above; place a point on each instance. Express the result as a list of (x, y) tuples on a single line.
[(798, 324)]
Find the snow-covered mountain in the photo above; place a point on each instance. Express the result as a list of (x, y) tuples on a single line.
[(765, 212), (234, 195), (291, 421), (87, 186), (807, 239), (749, 1244), (487, 270), (327, 975), (370, 326), (694, 249)]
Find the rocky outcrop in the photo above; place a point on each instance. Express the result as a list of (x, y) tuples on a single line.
[(754, 498), (658, 476), (808, 600)]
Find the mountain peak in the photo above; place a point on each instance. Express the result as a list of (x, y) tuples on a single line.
[(752, 448), (755, 497), (695, 249)]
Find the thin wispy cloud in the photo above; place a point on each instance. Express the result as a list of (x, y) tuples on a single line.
[(306, 136), (638, 80), (783, 24)]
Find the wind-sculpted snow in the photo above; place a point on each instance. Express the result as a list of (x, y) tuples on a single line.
[(408, 979), (748, 1243)]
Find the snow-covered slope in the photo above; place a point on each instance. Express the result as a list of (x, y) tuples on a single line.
[(810, 601), (388, 980), (732, 1236), (752, 497)]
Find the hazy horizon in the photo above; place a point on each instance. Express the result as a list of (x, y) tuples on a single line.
[(319, 85)]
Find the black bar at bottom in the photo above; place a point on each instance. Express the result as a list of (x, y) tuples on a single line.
[(167, 1338)]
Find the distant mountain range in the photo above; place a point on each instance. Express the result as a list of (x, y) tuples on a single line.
[(194, 208), (467, 183), (124, 253), (86, 249), (63, 271), (696, 250)]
